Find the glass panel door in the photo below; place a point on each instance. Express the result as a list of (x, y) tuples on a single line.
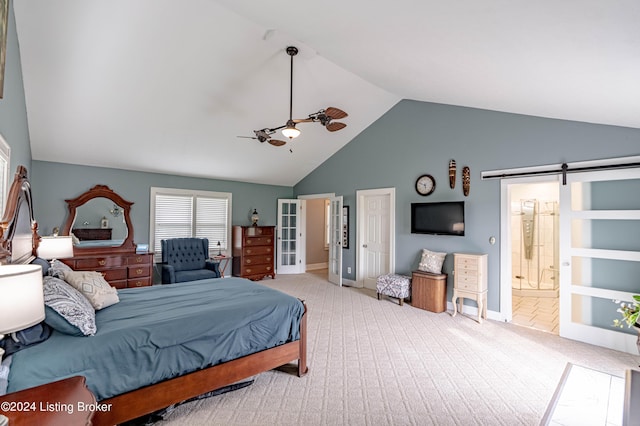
[(600, 255), (289, 252), (335, 240)]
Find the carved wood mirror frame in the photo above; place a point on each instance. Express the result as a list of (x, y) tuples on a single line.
[(105, 192)]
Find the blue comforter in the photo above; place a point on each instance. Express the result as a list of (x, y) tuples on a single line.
[(160, 332)]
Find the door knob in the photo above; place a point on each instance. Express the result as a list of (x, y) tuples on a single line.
[(364, 245)]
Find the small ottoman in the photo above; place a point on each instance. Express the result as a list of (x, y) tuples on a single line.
[(395, 286)]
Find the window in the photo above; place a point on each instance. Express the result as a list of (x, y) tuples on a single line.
[(5, 156), (181, 213)]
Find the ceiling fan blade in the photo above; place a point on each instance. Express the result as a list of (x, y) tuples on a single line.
[(335, 113), (335, 126), (276, 142)]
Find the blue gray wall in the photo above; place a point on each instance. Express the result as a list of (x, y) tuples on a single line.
[(13, 111), (414, 138), (54, 182)]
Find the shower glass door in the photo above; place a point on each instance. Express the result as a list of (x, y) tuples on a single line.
[(599, 255)]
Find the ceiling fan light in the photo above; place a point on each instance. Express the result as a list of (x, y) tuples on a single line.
[(291, 132)]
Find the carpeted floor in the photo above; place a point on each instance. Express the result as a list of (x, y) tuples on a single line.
[(375, 363)]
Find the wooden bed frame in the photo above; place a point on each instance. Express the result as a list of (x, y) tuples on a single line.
[(18, 225)]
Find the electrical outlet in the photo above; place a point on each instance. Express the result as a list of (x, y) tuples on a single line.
[(348, 269)]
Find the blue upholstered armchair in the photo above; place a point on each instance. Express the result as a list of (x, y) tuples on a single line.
[(187, 259)]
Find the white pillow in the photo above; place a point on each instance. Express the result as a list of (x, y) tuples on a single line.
[(94, 287), (431, 261)]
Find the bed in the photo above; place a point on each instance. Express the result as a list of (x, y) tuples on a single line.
[(159, 345)]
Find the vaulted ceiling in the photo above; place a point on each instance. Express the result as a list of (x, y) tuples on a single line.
[(166, 86)]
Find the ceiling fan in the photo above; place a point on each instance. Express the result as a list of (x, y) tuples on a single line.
[(325, 117)]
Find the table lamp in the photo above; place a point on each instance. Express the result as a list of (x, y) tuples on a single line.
[(21, 298), (52, 248)]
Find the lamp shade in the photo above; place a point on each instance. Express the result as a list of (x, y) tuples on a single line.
[(21, 297), (55, 247)]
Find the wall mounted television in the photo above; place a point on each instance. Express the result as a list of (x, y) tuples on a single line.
[(439, 218)]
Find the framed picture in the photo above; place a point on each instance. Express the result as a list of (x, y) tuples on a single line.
[(4, 22), (345, 227)]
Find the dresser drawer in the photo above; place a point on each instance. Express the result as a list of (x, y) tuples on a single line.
[(258, 241), (119, 284), (99, 262), (139, 282), (257, 260), (139, 259), (465, 263), (114, 274), (255, 251), (139, 271), (259, 231), (256, 269)]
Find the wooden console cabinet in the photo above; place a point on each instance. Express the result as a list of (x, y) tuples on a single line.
[(253, 248), (121, 270), (429, 291), (470, 281)]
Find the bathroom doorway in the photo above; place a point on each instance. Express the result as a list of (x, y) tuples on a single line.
[(535, 280)]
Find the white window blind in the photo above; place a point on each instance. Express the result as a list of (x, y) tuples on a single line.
[(181, 213)]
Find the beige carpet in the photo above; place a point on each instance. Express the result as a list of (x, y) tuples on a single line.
[(376, 363)]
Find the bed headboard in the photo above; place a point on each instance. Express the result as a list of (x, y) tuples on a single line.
[(19, 237)]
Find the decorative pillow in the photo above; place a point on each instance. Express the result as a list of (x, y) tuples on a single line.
[(56, 321), (58, 269), (42, 262), (94, 287), (431, 261), (70, 304)]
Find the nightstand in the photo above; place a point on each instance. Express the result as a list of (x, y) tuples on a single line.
[(470, 281), (222, 263), (65, 402)]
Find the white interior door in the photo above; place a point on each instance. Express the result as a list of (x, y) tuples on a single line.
[(335, 240), (599, 255), (290, 249), (375, 235)]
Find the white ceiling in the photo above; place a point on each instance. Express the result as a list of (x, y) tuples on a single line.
[(166, 86)]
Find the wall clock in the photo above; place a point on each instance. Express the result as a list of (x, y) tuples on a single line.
[(425, 185)]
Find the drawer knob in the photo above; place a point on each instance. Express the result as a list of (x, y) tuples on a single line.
[(102, 262), (248, 261), (139, 271), (138, 284)]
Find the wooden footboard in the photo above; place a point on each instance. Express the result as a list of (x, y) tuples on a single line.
[(146, 400)]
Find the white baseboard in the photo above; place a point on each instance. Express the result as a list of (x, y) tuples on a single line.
[(314, 266), (349, 283), (473, 312)]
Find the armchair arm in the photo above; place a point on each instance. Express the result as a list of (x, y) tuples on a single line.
[(168, 274), (214, 266)]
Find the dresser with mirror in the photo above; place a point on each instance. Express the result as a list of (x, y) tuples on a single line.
[(99, 222)]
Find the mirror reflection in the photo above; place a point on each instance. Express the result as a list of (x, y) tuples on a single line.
[(99, 223)]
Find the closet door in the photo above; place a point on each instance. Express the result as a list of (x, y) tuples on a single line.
[(599, 255)]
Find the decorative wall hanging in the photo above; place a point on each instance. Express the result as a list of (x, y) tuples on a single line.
[(466, 180), (452, 173), (345, 227)]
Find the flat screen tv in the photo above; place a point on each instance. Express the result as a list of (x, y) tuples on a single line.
[(444, 218)]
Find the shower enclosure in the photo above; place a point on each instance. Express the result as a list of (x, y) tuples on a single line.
[(535, 248)]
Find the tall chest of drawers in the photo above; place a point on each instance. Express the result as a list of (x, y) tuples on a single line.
[(470, 281), (253, 248), (121, 270)]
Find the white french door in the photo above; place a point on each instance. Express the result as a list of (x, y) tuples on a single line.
[(289, 249), (599, 255), (335, 240)]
